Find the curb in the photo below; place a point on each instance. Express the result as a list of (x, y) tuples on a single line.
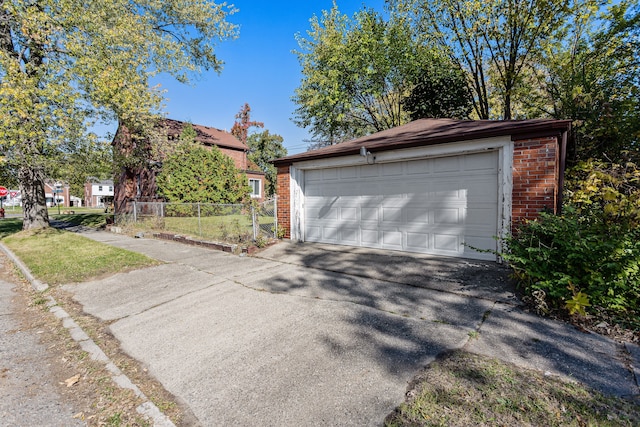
[(147, 408)]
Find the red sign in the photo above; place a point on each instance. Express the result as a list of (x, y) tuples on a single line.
[(13, 194), (3, 191)]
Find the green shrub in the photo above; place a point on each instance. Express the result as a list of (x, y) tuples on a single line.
[(589, 257)]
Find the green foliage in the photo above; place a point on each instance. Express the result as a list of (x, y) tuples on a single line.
[(588, 257), (89, 158), (65, 65), (356, 73), (440, 92), (195, 174), (594, 80), (188, 133), (494, 41), (264, 147)]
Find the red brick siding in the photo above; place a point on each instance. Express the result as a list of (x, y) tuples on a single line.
[(239, 157), (284, 202), (535, 178)]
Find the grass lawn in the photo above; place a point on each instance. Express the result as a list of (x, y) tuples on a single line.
[(57, 257), (229, 228), (463, 389)]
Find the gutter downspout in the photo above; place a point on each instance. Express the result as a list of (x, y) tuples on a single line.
[(563, 160)]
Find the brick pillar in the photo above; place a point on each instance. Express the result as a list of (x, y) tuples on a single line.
[(535, 178), (284, 202)]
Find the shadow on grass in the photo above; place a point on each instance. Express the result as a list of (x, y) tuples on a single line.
[(9, 226), (83, 219)]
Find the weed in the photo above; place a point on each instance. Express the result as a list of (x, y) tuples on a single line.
[(115, 420)]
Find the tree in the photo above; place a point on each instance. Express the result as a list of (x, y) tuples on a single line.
[(64, 65), (440, 92), (195, 174), (240, 129), (356, 74), (494, 41), (264, 147), (595, 81), (92, 159)]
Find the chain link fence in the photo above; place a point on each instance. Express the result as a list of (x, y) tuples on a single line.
[(231, 223)]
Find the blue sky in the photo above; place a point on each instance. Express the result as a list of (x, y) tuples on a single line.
[(259, 69)]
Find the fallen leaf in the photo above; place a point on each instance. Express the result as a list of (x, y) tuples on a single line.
[(73, 380)]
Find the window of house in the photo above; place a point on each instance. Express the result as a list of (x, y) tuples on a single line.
[(255, 187), (110, 189), (99, 187)]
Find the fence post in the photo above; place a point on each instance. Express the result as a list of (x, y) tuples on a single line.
[(253, 223), (275, 216), (199, 222), (135, 212)]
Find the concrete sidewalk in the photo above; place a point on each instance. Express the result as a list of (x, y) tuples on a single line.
[(309, 335)]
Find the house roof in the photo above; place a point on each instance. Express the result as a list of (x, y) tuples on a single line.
[(434, 131), (206, 135)]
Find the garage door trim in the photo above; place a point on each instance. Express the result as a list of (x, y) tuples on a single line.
[(504, 145)]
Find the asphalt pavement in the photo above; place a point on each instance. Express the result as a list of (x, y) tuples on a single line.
[(305, 334)]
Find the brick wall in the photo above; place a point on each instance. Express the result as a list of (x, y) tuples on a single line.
[(239, 157), (535, 178), (535, 182), (284, 202)]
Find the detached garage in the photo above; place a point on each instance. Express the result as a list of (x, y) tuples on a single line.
[(434, 186)]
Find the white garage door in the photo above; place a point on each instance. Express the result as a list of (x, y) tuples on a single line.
[(434, 206)]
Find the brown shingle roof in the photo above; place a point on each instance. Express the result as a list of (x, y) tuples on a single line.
[(206, 135), (434, 131)]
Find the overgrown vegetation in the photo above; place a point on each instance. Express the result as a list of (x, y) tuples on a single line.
[(195, 174), (587, 260), (463, 389)]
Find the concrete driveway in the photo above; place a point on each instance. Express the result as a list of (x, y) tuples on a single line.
[(300, 334)]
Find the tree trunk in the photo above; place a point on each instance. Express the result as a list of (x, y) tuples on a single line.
[(34, 203)]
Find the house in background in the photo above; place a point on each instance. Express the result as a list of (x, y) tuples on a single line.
[(139, 184), (433, 186), (57, 193), (98, 193)]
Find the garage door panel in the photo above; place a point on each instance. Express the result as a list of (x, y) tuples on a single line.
[(446, 190), (391, 215), (419, 167), (481, 188), (482, 216), (349, 172), (448, 216), (369, 214), (330, 234), (350, 236), (370, 238), (312, 176), (426, 206), (348, 214), (446, 164), (481, 162), (417, 216), (314, 233), (326, 213), (392, 239), (447, 242), (418, 241), (483, 242), (392, 169), (369, 171)]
